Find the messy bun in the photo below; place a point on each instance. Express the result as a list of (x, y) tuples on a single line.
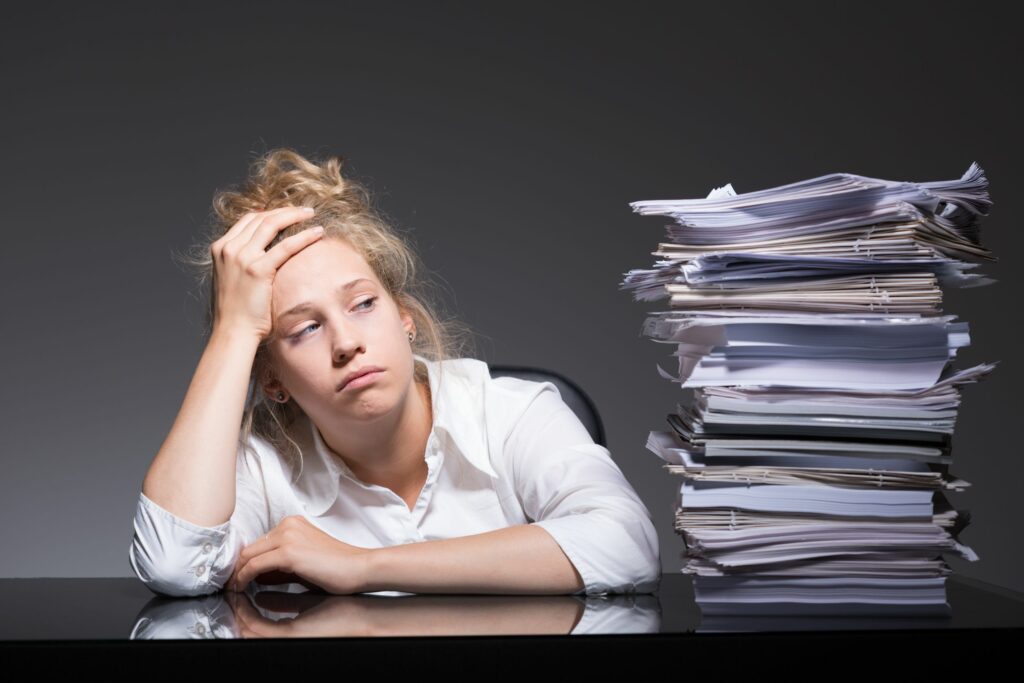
[(283, 177)]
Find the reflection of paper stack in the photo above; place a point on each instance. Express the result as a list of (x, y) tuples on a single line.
[(815, 446)]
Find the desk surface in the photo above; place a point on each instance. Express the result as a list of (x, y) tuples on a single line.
[(86, 618)]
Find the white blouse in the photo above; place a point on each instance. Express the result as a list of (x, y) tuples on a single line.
[(502, 451)]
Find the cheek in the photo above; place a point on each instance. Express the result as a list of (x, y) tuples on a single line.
[(298, 368)]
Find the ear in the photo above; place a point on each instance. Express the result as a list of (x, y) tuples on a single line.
[(271, 389), (407, 322), (268, 382)]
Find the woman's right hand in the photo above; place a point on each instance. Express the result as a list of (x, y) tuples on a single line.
[(244, 269)]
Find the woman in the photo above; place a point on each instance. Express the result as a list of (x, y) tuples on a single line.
[(371, 457)]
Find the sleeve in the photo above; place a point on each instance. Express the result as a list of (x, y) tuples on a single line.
[(573, 489), (173, 556)]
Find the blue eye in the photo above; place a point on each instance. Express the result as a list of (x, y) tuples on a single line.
[(303, 331)]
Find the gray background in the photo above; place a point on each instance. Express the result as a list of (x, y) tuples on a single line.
[(507, 140)]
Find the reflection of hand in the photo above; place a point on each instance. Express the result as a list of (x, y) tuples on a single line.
[(310, 616), (296, 551), (317, 615)]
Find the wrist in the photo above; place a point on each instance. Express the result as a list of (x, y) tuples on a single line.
[(235, 336), (375, 569)]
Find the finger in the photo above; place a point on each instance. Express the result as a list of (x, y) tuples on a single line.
[(240, 225), (241, 233), (258, 235), (286, 248), (232, 581), (260, 564), (261, 545)]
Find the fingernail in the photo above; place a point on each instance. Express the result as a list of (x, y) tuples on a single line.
[(317, 230), (308, 209)]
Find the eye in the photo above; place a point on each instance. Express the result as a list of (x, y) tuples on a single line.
[(368, 303), (302, 332)]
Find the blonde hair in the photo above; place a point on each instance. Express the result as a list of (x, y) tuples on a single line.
[(283, 177)]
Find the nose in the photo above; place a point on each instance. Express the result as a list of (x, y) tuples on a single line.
[(346, 343)]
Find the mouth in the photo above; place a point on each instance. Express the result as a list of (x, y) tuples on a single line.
[(366, 373)]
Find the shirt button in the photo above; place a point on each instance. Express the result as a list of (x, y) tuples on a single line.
[(200, 628), (200, 570), (207, 547)]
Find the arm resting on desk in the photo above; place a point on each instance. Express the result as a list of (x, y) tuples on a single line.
[(176, 557), (517, 559), (575, 491)]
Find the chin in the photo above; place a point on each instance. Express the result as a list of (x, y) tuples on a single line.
[(370, 405)]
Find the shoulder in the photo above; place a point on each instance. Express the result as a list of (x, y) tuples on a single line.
[(516, 394), (500, 402), (520, 405), (469, 379), (506, 408)]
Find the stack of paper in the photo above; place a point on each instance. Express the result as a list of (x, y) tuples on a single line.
[(814, 441)]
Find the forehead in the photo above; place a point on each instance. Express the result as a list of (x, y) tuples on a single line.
[(317, 269)]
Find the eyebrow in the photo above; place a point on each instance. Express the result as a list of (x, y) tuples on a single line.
[(306, 305)]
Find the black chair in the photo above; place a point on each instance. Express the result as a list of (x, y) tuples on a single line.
[(572, 394)]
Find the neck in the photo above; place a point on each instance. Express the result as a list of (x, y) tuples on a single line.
[(390, 455)]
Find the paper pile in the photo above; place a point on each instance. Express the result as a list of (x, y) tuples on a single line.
[(814, 439)]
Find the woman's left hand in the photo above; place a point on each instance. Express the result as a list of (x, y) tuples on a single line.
[(296, 547)]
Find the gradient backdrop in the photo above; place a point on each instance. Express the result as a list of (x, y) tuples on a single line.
[(507, 139)]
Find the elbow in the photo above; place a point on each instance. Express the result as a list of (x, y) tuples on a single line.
[(174, 557), (650, 578), (169, 578), (615, 552), (638, 556), (645, 569)]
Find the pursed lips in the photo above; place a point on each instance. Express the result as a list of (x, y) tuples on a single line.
[(370, 371)]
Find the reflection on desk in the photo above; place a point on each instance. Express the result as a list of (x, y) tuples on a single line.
[(86, 622), (292, 611), (297, 612), (70, 609)]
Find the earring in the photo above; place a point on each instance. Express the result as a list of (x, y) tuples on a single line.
[(411, 336), (280, 396)]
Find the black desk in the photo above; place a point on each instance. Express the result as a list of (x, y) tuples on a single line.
[(120, 623)]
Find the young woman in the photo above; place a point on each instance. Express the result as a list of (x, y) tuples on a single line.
[(371, 457)]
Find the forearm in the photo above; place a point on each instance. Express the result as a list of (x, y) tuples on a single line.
[(193, 474), (518, 559)]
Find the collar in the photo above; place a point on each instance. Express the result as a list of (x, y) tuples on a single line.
[(457, 392)]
